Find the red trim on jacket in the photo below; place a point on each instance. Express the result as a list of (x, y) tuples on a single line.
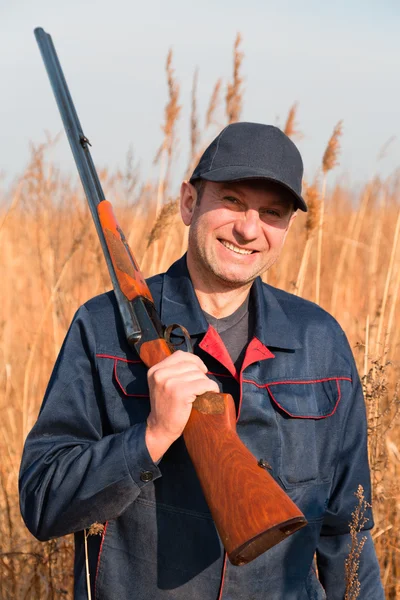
[(268, 386), (261, 385), (220, 374), (118, 358), (122, 387), (307, 416), (221, 589)]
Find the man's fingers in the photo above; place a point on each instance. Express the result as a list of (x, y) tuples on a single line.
[(177, 380), (170, 382), (178, 359), (166, 370), (201, 386)]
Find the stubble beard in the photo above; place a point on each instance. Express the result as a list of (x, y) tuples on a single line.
[(208, 266)]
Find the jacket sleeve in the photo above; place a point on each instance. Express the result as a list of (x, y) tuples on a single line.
[(352, 470), (74, 470)]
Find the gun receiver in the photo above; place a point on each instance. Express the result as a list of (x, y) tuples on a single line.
[(250, 510)]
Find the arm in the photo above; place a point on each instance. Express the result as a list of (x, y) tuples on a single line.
[(352, 469), (74, 470)]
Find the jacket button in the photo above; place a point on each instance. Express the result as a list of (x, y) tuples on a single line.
[(146, 476)]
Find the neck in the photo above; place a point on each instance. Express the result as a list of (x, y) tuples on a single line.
[(216, 298)]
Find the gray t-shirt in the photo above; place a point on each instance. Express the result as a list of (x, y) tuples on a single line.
[(235, 331)]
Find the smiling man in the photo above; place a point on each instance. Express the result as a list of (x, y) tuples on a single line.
[(237, 231), (108, 446)]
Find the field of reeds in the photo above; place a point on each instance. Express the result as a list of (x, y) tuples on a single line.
[(344, 254)]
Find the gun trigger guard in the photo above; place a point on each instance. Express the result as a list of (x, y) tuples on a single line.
[(168, 332)]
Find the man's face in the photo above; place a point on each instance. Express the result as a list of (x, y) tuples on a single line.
[(237, 230)]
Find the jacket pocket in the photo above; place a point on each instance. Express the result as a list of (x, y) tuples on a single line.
[(132, 402), (131, 378), (308, 431)]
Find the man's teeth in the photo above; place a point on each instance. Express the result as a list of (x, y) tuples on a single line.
[(235, 248)]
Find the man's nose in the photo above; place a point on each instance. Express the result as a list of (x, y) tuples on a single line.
[(248, 225)]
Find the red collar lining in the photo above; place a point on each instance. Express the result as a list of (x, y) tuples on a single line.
[(213, 345)]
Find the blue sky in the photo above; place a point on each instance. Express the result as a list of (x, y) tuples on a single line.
[(338, 60)]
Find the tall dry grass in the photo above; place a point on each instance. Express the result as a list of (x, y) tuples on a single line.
[(51, 263)]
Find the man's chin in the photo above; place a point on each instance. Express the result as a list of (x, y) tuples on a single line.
[(234, 280)]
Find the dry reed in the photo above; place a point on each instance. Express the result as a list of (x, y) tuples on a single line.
[(49, 242), (329, 161), (213, 104), (312, 198), (330, 158), (352, 563), (165, 152), (291, 126), (234, 92)]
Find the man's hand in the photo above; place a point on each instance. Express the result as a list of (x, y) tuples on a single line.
[(174, 384)]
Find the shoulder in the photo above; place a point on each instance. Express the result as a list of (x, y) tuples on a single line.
[(102, 303), (320, 336), (101, 316), (303, 313), (155, 284), (107, 302)]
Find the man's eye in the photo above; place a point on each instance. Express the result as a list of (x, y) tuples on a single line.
[(271, 212), (231, 199)]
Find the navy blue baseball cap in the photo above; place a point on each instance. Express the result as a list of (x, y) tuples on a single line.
[(253, 151)]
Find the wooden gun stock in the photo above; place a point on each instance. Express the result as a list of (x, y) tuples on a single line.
[(250, 510)]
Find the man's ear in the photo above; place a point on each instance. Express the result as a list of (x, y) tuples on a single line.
[(187, 202), (292, 218)]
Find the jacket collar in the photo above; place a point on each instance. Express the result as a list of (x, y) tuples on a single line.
[(179, 304), (272, 326)]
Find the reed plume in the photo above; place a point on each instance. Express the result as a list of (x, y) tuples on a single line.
[(312, 198), (165, 152), (291, 127), (163, 221), (194, 129), (234, 92), (331, 154), (329, 161), (213, 104)]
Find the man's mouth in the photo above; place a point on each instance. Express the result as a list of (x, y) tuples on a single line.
[(235, 248)]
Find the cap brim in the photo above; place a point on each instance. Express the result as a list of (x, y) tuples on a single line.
[(243, 173)]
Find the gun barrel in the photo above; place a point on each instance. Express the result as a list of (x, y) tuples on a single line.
[(87, 171)]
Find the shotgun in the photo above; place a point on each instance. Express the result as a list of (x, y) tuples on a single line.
[(229, 474)]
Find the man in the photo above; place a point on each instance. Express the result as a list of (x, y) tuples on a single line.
[(107, 446)]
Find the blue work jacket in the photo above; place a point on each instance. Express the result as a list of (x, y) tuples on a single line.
[(299, 405)]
